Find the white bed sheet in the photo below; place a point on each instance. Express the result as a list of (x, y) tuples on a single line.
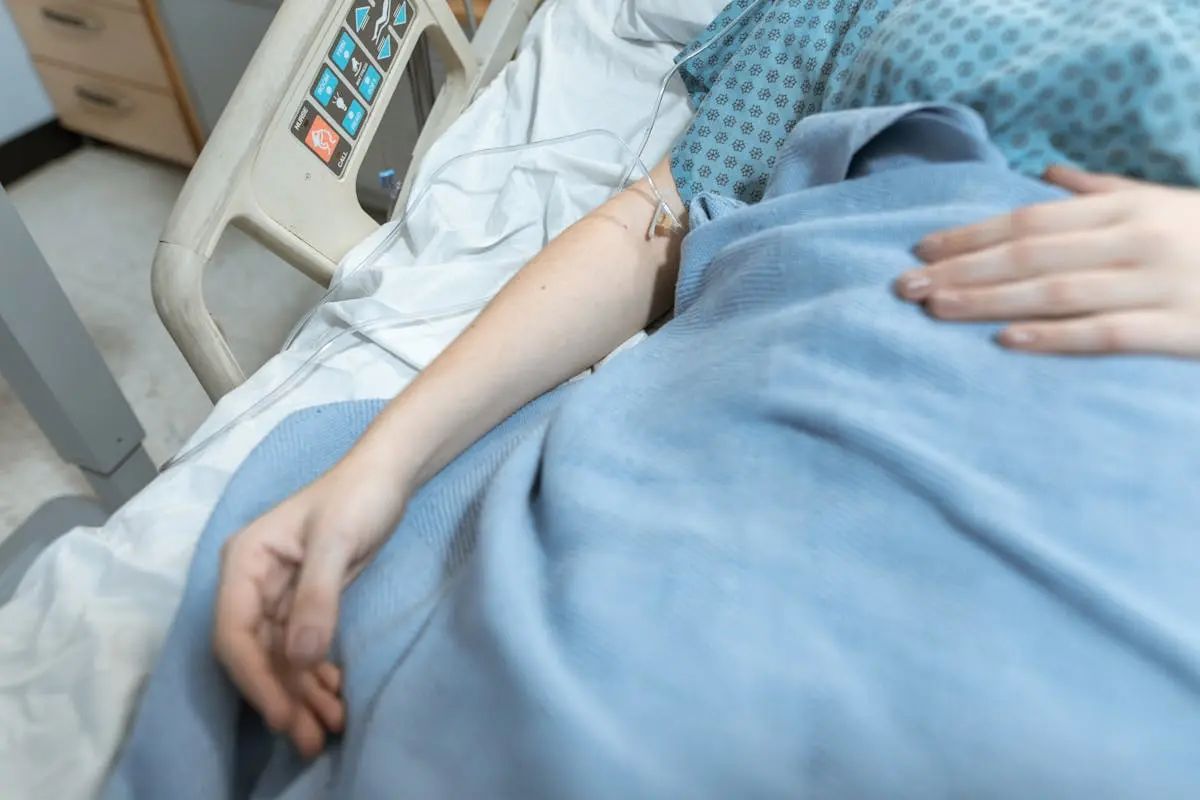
[(81, 634)]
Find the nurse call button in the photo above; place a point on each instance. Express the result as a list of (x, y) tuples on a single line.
[(321, 139)]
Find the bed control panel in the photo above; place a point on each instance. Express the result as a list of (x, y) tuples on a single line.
[(284, 161), (310, 106), (346, 84)]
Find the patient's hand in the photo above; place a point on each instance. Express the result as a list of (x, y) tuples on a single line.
[(1114, 269), (277, 606)]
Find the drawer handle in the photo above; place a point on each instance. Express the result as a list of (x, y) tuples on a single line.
[(70, 20), (103, 102)]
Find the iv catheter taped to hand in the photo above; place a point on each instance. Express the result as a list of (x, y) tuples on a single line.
[(506, 162)]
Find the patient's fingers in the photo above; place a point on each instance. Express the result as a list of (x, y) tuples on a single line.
[(329, 710), (238, 644), (1080, 182), (277, 589), (1076, 214), (1049, 297), (307, 733), (318, 593), (331, 676), (282, 608), (1141, 331), (1022, 259)]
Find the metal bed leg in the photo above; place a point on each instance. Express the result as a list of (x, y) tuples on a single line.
[(54, 368)]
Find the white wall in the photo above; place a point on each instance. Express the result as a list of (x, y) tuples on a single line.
[(23, 102)]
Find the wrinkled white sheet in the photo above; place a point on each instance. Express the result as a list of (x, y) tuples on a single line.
[(83, 630)]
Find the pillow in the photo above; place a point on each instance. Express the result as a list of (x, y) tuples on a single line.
[(676, 21)]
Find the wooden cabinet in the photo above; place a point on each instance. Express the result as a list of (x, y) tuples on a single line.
[(109, 73), (134, 116), (459, 7)]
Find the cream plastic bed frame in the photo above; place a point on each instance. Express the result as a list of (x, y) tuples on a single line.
[(255, 174)]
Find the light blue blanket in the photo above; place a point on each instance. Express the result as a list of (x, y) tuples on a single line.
[(803, 542)]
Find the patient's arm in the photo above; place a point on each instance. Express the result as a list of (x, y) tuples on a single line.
[(592, 288), (282, 576)]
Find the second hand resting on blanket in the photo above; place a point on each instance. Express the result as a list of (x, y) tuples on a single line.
[(1114, 269)]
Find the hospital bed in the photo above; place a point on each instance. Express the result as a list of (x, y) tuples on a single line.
[(81, 633)]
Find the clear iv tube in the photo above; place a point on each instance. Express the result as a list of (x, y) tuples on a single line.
[(393, 235), (363, 329), (325, 348), (666, 83)]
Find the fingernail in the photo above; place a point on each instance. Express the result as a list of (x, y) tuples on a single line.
[(914, 287), (1018, 338), (927, 246), (305, 645)]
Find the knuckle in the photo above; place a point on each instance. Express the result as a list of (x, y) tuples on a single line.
[(1022, 256), (1026, 221), (1061, 293), (1128, 215), (1110, 336), (1151, 239)]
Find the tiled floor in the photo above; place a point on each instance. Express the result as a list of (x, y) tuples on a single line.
[(97, 215)]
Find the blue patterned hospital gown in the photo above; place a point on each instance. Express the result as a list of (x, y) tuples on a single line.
[(1108, 85), (763, 75)]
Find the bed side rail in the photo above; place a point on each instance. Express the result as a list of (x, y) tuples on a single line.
[(283, 161)]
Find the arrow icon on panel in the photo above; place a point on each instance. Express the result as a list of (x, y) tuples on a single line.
[(381, 23), (361, 15), (401, 14), (385, 51)]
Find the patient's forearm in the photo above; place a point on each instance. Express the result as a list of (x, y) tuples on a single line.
[(592, 288)]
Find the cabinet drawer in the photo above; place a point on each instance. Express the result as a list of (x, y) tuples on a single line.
[(141, 119), (95, 37)]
